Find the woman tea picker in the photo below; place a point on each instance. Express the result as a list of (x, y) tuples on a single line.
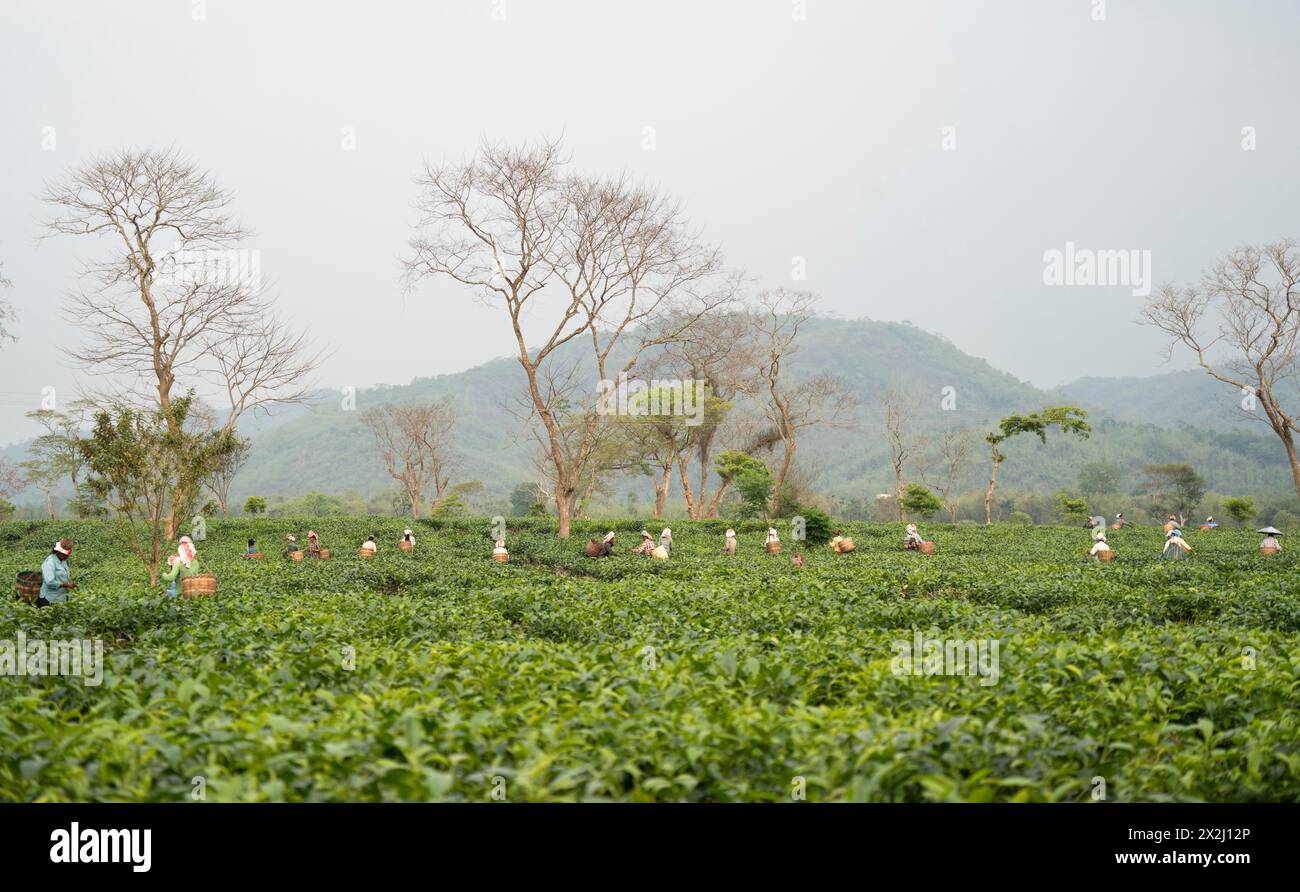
[(184, 563), (1176, 547), (56, 578)]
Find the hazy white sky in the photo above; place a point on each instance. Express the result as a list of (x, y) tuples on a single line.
[(819, 138)]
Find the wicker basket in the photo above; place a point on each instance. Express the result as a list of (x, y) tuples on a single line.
[(1269, 550), (366, 552), (27, 586), (295, 555), (321, 554), (592, 549), (1107, 555), (1114, 526), (500, 558), (255, 556), (199, 586), (773, 547), (845, 545), (927, 548), (405, 545)]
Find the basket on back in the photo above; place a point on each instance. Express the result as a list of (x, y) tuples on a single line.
[(774, 548), (366, 552), (27, 586), (1106, 555), (295, 555), (198, 586), (254, 556), (843, 545), (321, 553), (1267, 550), (592, 549), (405, 545), (927, 548)]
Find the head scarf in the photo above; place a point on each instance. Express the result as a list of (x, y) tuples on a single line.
[(771, 534), (911, 528), (290, 537), (501, 543), (184, 552), (666, 534), (609, 537), (311, 534), (406, 532), (731, 534), (645, 534), (63, 547)]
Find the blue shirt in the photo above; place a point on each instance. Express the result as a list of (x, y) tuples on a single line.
[(54, 573)]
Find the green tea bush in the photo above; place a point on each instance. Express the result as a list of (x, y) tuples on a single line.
[(439, 675)]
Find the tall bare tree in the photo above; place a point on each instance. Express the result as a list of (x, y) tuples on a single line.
[(169, 310), (716, 356), (414, 440), (513, 222), (1242, 322), (8, 315), (896, 411), (955, 448), (776, 319)]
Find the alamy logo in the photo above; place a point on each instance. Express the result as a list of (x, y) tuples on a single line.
[(36, 656), (221, 267), (1084, 266), (947, 656), (77, 846), (655, 398)]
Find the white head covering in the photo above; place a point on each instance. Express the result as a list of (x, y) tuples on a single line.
[(645, 534), (501, 543), (911, 528), (771, 534), (609, 537), (731, 534), (406, 532), (666, 534), (58, 546)]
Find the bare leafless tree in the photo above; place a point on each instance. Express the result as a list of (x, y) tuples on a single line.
[(896, 415), (513, 222), (8, 315), (163, 310), (954, 452), (414, 440), (1242, 322), (776, 319)]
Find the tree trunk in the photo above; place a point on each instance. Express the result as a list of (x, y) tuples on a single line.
[(49, 504), (988, 496), (661, 490), (691, 508), (787, 458)]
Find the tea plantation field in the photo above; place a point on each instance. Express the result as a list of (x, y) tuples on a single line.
[(439, 675)]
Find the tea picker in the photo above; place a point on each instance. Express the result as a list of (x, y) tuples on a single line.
[(184, 564), (1270, 545), (647, 543), (52, 584)]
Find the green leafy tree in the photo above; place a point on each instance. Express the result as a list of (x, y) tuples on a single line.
[(1100, 478), (7, 509), (130, 454), (254, 505), (1067, 419), (918, 500), (1240, 510), (1070, 507), (751, 478), (1173, 488)]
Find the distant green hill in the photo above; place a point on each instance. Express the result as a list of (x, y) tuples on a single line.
[(326, 448), (1181, 417)]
